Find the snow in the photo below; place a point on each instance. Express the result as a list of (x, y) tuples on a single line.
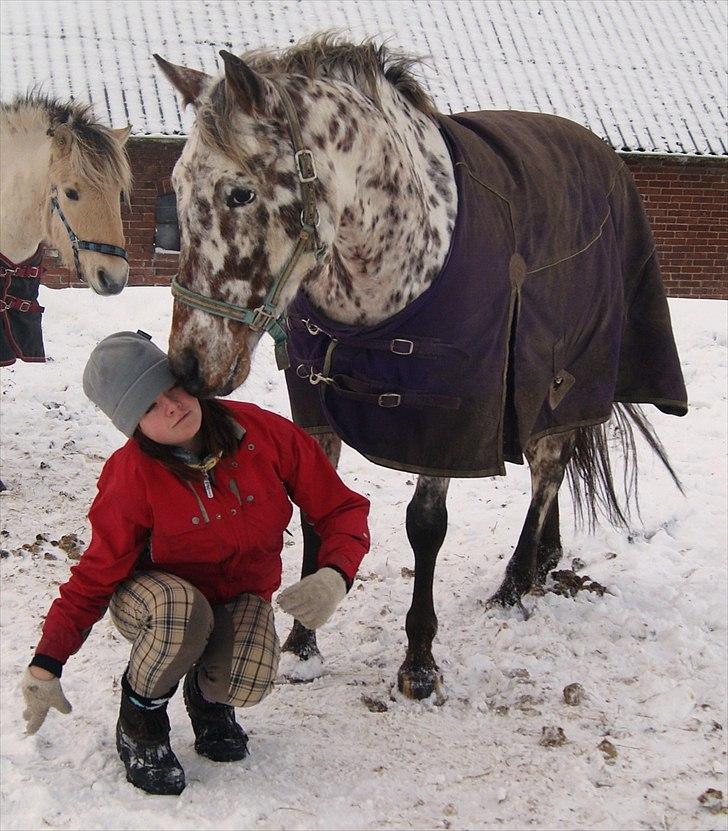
[(645, 75), (650, 654)]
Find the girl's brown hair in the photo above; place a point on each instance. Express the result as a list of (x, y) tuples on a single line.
[(217, 432)]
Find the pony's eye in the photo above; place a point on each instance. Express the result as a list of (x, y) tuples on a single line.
[(72, 194), (240, 196)]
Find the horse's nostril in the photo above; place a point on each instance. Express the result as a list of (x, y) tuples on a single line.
[(107, 283), (187, 369)]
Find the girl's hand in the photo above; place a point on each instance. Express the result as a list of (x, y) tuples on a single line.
[(313, 599), (40, 695)]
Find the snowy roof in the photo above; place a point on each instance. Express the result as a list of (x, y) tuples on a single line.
[(646, 75)]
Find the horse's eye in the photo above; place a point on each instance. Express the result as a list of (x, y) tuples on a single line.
[(72, 194), (240, 196)]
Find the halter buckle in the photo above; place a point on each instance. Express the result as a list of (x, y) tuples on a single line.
[(4, 305), (304, 175), (261, 319)]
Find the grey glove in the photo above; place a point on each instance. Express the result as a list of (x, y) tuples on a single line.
[(313, 600), (40, 695)]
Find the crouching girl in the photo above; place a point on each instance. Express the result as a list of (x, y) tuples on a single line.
[(185, 552)]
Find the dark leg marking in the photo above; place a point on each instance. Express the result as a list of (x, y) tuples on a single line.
[(539, 543), (419, 675)]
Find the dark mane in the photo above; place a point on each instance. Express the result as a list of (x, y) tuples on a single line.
[(98, 155), (323, 55), (330, 55)]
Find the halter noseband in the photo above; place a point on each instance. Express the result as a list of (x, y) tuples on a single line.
[(85, 245), (265, 318)]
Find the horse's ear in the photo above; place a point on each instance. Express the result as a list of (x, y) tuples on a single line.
[(188, 82), (122, 134), (243, 85), (61, 140)]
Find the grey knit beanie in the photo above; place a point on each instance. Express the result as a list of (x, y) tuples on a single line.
[(123, 376)]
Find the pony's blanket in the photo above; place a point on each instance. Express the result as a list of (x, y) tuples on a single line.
[(550, 307), (21, 335)]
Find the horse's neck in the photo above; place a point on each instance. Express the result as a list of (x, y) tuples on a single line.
[(23, 184), (395, 212)]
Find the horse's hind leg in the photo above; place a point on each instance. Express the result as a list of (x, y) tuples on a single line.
[(549, 550), (419, 675), (539, 546), (302, 641)]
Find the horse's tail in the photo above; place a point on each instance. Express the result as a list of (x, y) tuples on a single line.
[(590, 471)]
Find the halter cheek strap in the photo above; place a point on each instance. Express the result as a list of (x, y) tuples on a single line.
[(81, 244), (266, 318)]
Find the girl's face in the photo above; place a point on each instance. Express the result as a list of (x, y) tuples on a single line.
[(174, 418)]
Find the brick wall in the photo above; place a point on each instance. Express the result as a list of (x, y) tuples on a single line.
[(685, 198), (687, 202)]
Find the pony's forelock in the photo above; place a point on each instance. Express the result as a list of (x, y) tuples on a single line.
[(96, 156)]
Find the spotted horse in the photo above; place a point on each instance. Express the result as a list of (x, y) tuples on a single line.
[(446, 292)]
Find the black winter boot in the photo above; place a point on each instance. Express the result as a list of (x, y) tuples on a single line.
[(217, 735), (142, 739)]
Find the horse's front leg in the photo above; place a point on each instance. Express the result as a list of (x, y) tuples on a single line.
[(419, 675), (302, 641), (539, 545)]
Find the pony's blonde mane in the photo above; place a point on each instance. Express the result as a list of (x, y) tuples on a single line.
[(95, 156), (325, 55)]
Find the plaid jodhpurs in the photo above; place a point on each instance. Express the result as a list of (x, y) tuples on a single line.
[(172, 627)]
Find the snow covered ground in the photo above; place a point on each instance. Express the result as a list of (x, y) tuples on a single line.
[(650, 654)]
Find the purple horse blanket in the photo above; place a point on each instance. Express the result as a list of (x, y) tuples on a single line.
[(549, 308)]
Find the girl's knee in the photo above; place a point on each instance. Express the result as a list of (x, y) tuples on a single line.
[(156, 602), (255, 679)]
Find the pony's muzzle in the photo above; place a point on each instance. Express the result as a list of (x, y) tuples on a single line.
[(108, 282)]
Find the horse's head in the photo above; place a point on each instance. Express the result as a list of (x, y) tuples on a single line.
[(240, 203), (89, 178)]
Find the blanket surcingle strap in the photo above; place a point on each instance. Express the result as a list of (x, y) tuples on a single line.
[(21, 335), (549, 308)]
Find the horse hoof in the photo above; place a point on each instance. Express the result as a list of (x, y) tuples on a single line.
[(302, 642), (508, 597), (419, 684)]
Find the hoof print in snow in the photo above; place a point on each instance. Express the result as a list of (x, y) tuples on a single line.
[(577, 564), (407, 573), (608, 749), (552, 737), (374, 705), (574, 694), (712, 799)]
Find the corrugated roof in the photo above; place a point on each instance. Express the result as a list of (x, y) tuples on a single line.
[(646, 75)]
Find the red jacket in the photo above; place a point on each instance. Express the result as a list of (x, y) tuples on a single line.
[(144, 518)]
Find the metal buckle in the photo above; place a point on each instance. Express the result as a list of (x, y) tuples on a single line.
[(4, 305), (25, 305), (400, 346), (301, 173), (314, 224), (390, 399), (307, 373), (261, 318), (313, 329)]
